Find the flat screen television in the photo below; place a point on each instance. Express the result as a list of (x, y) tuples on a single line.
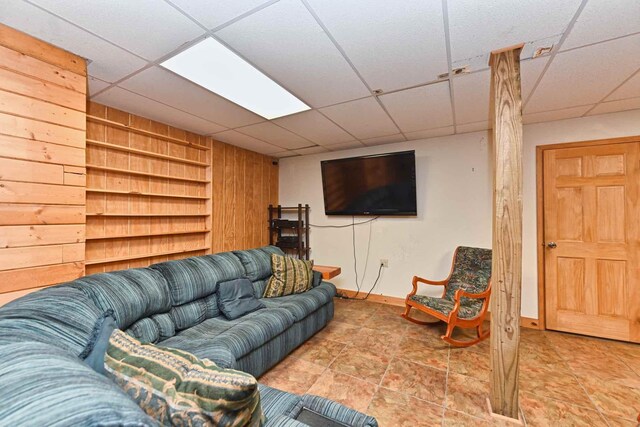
[(382, 184)]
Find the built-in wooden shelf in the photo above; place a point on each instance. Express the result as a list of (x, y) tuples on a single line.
[(150, 134), (144, 153), (151, 215), (140, 173), (131, 236), (138, 193), (141, 256)]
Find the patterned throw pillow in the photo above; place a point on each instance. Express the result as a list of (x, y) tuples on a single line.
[(177, 388), (290, 276)]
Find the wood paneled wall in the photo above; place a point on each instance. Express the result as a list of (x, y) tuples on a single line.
[(244, 184), (42, 163), (148, 191)]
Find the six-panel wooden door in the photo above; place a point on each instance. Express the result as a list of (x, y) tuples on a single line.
[(592, 240)]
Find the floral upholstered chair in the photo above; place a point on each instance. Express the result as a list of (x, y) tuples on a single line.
[(465, 298)]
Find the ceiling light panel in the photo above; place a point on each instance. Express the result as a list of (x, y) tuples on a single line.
[(213, 66)]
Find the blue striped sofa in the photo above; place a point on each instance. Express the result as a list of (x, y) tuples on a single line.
[(172, 304)]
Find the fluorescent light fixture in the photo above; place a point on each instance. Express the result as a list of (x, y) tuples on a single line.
[(213, 66)]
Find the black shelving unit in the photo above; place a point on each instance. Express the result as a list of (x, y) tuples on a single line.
[(289, 229)]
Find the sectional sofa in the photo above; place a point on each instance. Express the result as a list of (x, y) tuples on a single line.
[(173, 304)]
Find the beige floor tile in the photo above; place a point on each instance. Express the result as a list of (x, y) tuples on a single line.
[(319, 351), (418, 380), (613, 399), (458, 419), (554, 384), (394, 409), (339, 332), (467, 394), (548, 412), (385, 342), (365, 364), (423, 352), (352, 392), (293, 375), (470, 363)]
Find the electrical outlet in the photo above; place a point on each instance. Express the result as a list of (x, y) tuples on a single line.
[(384, 262)]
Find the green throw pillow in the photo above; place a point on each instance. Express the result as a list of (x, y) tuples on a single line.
[(177, 388), (290, 276)]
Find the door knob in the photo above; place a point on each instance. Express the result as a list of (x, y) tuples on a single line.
[(552, 245)]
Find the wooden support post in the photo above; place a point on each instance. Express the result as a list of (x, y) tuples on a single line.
[(506, 116)]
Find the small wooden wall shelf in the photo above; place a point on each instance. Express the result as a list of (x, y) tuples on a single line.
[(150, 134), (152, 215), (149, 174), (132, 236), (289, 229), (143, 256), (144, 153), (137, 193)]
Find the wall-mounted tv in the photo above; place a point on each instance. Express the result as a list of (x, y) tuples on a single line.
[(382, 184)]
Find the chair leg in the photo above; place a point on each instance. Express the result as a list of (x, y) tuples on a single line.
[(457, 343), (411, 319)]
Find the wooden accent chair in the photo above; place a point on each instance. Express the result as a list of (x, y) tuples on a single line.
[(465, 299)]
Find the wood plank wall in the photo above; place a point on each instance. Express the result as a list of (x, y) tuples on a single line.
[(42, 163), (148, 191), (244, 184)]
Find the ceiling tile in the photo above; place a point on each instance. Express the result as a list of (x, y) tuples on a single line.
[(603, 20), (584, 76), (166, 87), (108, 62), (530, 71), (472, 127), (363, 118), (425, 107), (133, 103), (629, 89), (378, 35), (149, 28), (285, 154), (311, 150), (549, 116), (275, 135), (471, 97), (478, 27), (383, 140), (614, 106), (212, 16), (345, 145), (285, 42), (245, 141), (431, 133), (96, 85), (315, 127)]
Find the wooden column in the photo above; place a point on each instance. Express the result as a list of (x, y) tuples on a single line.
[(506, 116)]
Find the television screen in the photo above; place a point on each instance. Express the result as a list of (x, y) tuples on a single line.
[(383, 184)]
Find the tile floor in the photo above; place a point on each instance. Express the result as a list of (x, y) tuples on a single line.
[(371, 359)]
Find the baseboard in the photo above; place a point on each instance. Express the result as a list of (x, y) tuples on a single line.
[(525, 322)]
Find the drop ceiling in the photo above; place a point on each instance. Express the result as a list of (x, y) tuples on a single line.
[(373, 71)]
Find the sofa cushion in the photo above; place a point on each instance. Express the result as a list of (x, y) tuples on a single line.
[(239, 336), (192, 278), (257, 263), (166, 327), (290, 276), (177, 388), (236, 298), (44, 385), (192, 313), (276, 402), (301, 305), (145, 330), (61, 315), (131, 294)]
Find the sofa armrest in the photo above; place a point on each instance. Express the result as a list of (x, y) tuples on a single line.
[(48, 386)]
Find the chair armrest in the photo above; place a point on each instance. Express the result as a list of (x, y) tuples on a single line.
[(417, 280), (462, 293)]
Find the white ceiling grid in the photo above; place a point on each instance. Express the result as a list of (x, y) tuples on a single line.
[(333, 54)]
